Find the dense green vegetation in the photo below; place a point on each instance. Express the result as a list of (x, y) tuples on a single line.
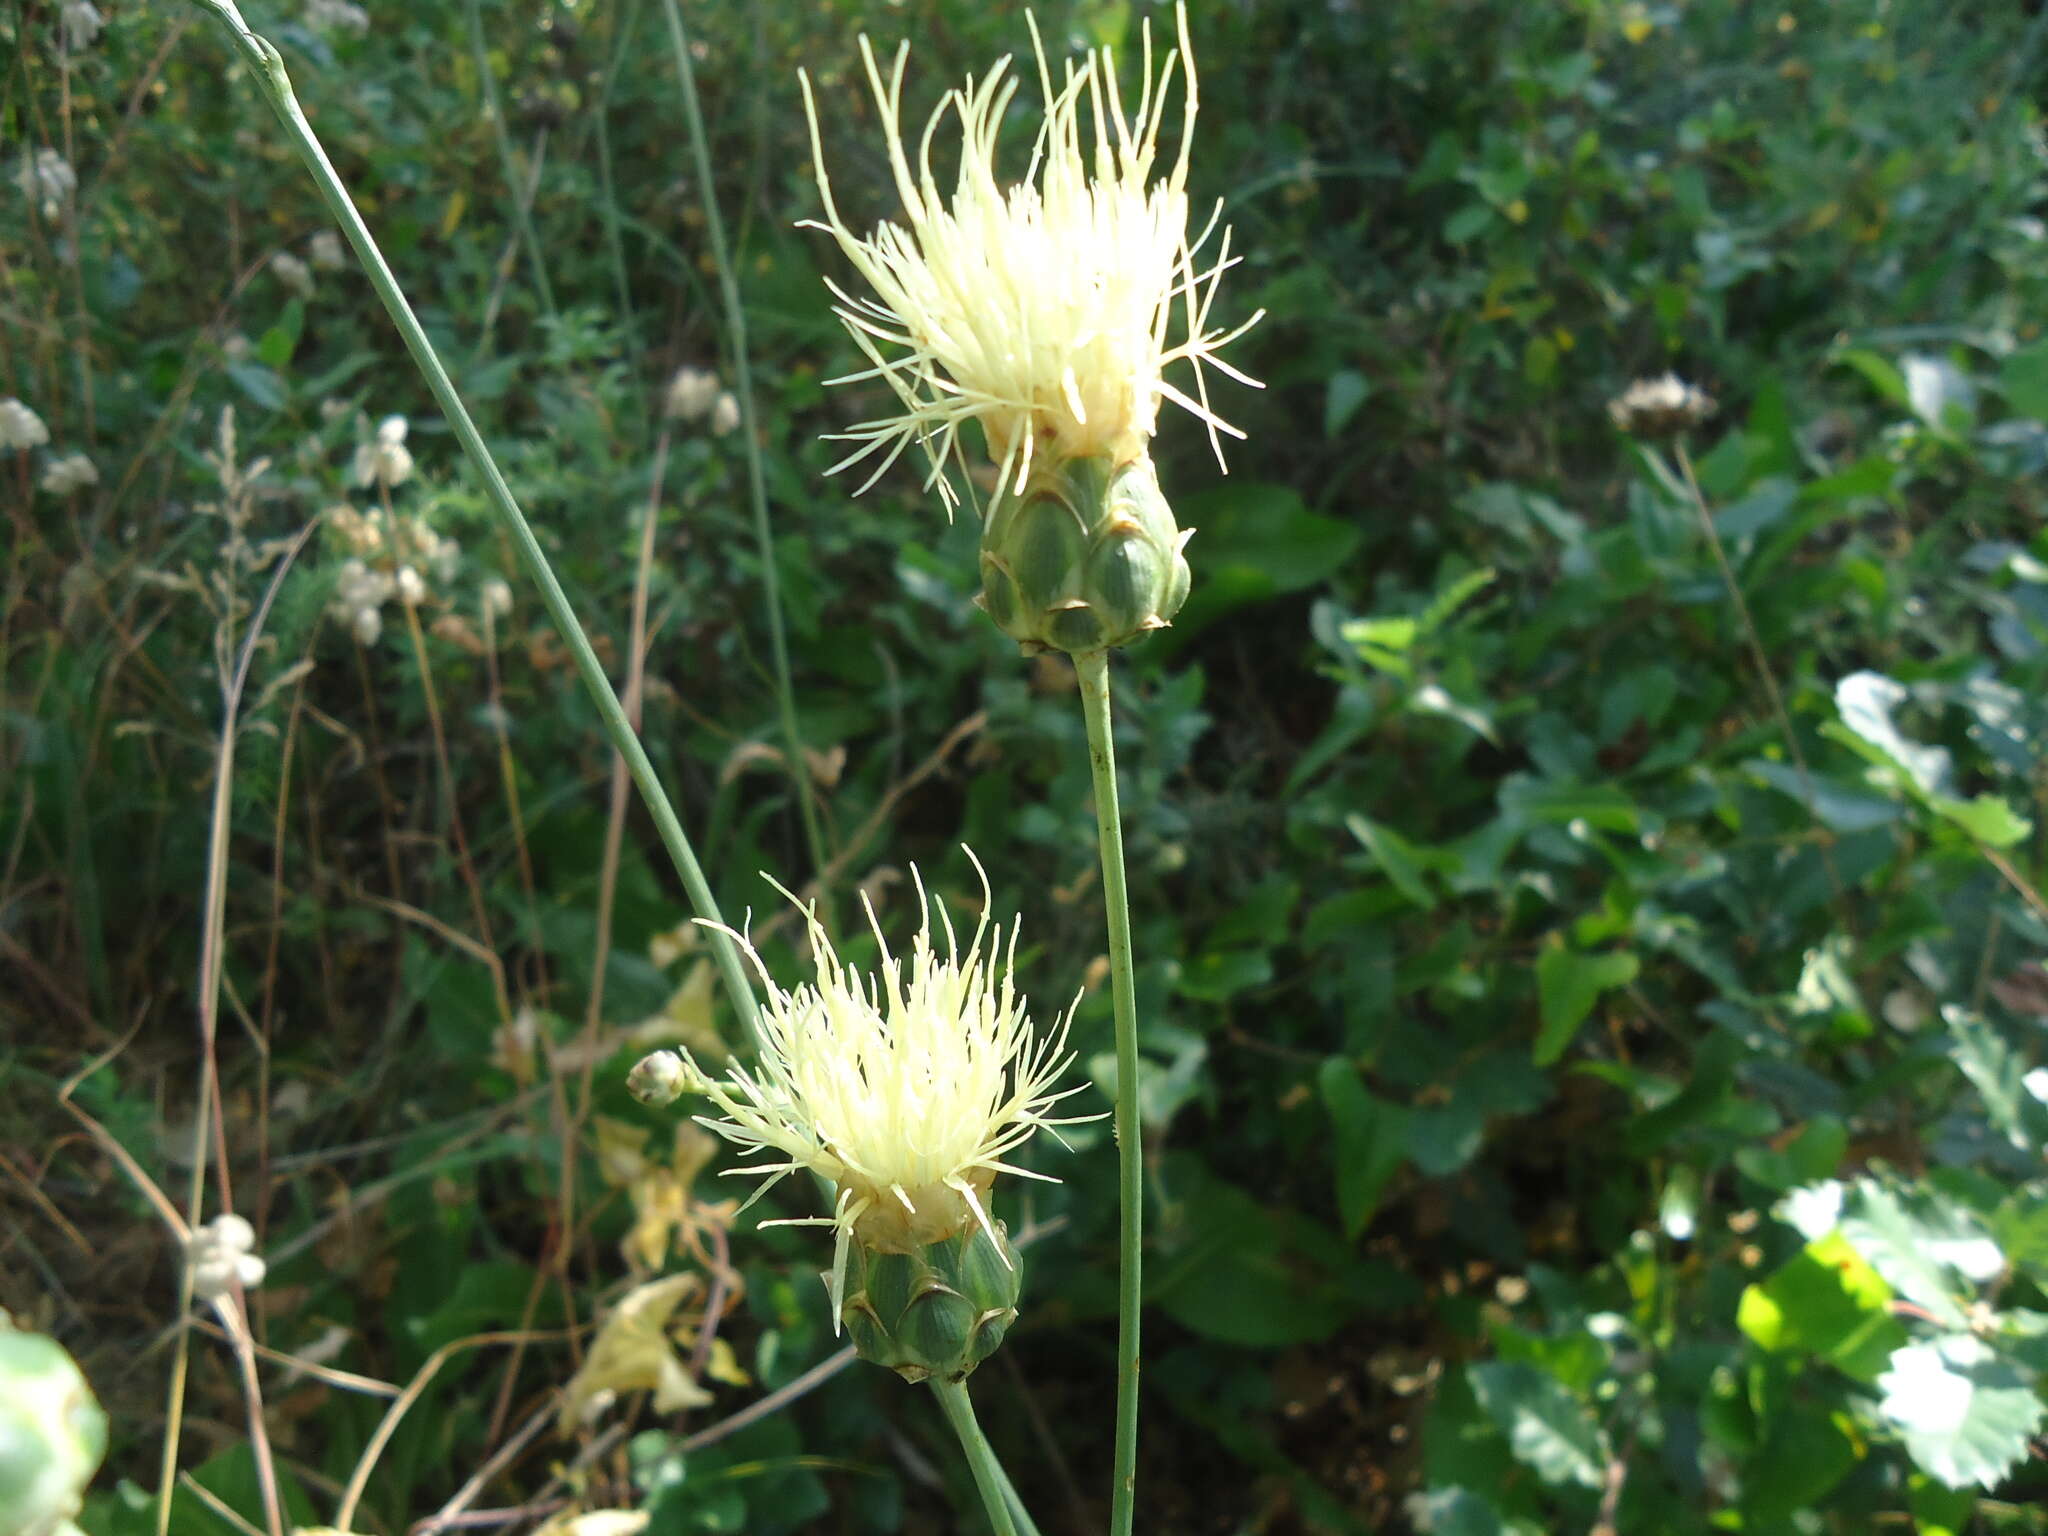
[(1587, 883)]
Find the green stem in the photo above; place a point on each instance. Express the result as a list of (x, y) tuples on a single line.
[(757, 480), (277, 88), (522, 216), (1093, 669), (996, 1494)]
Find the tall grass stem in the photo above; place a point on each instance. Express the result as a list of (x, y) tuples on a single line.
[(757, 480), (270, 74)]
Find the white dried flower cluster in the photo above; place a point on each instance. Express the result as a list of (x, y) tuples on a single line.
[(46, 179), (908, 1088), (1043, 311), (691, 394), (20, 427), (220, 1258), (694, 394), (391, 555), (81, 22), (1660, 407), (293, 273), (69, 472), (384, 460), (326, 251), (360, 593), (497, 597), (337, 16)]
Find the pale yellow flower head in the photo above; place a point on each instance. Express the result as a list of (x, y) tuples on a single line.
[(1047, 311), (907, 1089)]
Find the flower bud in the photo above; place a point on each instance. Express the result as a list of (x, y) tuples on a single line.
[(1087, 557), (658, 1078), (939, 1310)]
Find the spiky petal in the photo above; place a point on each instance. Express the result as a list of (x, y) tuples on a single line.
[(1042, 312), (907, 1089)]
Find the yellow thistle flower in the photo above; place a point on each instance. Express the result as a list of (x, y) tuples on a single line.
[(907, 1089), (1042, 312)]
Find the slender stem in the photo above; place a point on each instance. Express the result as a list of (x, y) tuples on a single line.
[(1093, 668), (757, 480), (1759, 659), (522, 214), (988, 1472), (277, 88), (1026, 1526)]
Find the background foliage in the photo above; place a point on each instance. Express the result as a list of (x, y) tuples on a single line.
[(1584, 1093)]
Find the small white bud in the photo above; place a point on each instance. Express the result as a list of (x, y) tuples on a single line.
[(293, 273), (220, 1258), (367, 625), (411, 590), (658, 1078), (497, 597), (325, 251), (691, 393), (725, 415)]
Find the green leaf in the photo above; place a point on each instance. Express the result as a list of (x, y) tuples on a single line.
[(1232, 1268), (1396, 857), (1881, 373), (1921, 1247), (1568, 984), (1965, 1412), (1221, 974), (1987, 818), (1825, 1301), (1866, 701), (1342, 396), (2024, 378), (1549, 1430), (1457, 1512), (1371, 1139), (1467, 222), (1803, 1454)]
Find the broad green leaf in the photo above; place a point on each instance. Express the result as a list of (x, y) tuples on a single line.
[(1233, 1268), (1966, 1413), (1866, 701), (1996, 1070), (1458, 1512), (1221, 974), (1549, 1430), (1396, 858), (1342, 396), (1921, 1247), (2024, 378), (1986, 817), (1371, 1137), (1881, 372), (1803, 1454), (1825, 1301), (1568, 984)]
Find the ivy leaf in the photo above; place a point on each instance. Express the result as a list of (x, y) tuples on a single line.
[(1966, 1414), (1548, 1429)]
